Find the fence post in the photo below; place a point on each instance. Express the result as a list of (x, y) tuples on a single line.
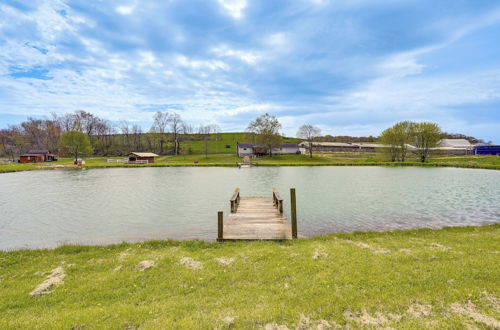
[(293, 204), (220, 226)]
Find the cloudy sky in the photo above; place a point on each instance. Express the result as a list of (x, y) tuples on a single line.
[(352, 67)]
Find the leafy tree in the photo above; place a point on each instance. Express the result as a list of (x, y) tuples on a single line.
[(427, 136), (403, 133), (388, 137), (266, 129), (75, 143), (309, 133), (398, 137)]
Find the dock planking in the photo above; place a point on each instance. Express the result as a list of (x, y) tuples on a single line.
[(255, 218)]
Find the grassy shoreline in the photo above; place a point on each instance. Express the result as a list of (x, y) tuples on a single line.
[(229, 160), (423, 278)]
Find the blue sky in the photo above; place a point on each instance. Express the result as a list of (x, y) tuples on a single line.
[(351, 67)]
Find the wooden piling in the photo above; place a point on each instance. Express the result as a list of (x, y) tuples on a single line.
[(293, 205), (220, 226)]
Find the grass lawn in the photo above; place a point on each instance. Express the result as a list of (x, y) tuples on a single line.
[(411, 279), (326, 159)]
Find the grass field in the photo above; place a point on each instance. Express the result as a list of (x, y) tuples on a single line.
[(413, 279), (335, 159)]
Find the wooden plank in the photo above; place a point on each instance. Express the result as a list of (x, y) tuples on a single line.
[(257, 218)]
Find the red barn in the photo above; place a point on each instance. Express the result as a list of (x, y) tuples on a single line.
[(35, 156), (141, 157)]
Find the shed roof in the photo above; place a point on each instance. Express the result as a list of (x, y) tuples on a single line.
[(143, 154), (39, 151), (289, 145), (246, 145)]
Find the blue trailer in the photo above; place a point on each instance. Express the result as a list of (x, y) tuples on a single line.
[(487, 150)]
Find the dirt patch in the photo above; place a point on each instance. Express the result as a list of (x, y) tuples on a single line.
[(117, 268), (123, 255), (405, 250), (439, 247), (369, 247), (190, 263), (493, 301), (419, 311), (228, 320), (305, 323), (225, 261), (366, 319), (319, 253), (469, 310), (143, 265), (274, 326), (56, 277)]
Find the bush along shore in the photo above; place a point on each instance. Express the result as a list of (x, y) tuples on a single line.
[(413, 279), (229, 160)]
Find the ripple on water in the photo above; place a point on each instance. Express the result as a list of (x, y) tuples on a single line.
[(109, 205)]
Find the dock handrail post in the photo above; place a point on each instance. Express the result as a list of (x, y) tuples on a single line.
[(235, 200), (293, 204), (220, 226)]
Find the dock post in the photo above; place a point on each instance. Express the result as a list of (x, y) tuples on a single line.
[(293, 204), (220, 226)]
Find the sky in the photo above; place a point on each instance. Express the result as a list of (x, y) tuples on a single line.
[(350, 67)]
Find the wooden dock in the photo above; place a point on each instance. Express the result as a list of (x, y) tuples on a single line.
[(257, 218)]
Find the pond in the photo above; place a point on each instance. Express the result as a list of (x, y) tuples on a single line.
[(50, 208)]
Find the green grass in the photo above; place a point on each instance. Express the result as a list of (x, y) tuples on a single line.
[(269, 282), (326, 159)]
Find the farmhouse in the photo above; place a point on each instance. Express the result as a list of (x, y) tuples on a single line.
[(141, 157), (249, 149), (36, 156)]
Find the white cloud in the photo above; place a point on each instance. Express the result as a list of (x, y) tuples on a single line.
[(233, 7), (125, 10), (198, 64), (245, 56)]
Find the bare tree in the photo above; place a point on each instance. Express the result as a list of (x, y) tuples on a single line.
[(216, 131), (176, 127), (136, 133), (309, 133), (204, 132), (160, 123), (266, 128)]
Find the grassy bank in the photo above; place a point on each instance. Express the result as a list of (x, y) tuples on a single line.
[(407, 279), (336, 159)]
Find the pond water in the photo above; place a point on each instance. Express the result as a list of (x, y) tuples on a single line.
[(49, 208)]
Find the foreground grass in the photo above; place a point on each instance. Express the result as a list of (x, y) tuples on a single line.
[(424, 278), (335, 159)]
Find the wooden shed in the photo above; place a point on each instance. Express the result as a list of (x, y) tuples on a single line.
[(141, 157), (36, 156)]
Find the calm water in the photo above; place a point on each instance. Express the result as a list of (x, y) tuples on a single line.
[(48, 208)]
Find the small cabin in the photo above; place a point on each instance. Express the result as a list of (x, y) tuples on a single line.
[(141, 157), (37, 156), (245, 149)]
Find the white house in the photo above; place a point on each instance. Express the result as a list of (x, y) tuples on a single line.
[(249, 149), (245, 149)]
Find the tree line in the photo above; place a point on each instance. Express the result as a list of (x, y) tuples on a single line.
[(165, 136)]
